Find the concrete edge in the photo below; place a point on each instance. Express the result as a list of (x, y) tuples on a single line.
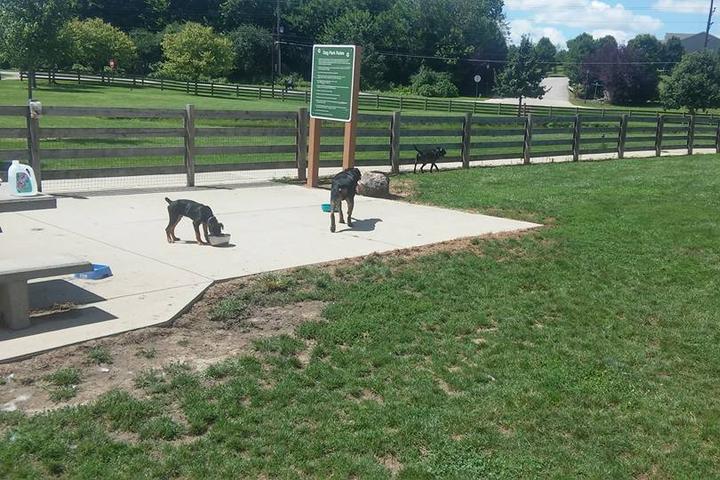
[(212, 283)]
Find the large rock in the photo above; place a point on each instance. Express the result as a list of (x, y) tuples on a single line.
[(374, 184)]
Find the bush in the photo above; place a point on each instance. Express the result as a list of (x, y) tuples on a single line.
[(93, 43), (196, 53), (429, 83)]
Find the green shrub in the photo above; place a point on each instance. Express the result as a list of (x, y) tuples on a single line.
[(429, 83)]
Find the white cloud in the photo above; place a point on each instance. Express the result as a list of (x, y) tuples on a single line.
[(518, 28), (592, 16), (596, 15), (622, 36), (682, 6)]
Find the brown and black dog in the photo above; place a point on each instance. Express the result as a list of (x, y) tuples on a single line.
[(344, 187), (197, 212)]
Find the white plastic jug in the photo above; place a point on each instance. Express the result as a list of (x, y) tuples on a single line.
[(21, 180)]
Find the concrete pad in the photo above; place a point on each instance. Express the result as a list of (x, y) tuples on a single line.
[(273, 227)]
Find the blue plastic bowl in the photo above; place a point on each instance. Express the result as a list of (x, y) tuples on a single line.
[(326, 207), (98, 271)]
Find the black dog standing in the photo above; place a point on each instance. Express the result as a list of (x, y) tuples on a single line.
[(344, 186), (197, 212), (430, 156)]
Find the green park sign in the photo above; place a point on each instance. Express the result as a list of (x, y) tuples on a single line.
[(331, 93)]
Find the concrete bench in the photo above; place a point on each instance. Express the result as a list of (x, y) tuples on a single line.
[(14, 275)]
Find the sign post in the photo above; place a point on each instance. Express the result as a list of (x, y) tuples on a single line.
[(477, 79), (333, 96)]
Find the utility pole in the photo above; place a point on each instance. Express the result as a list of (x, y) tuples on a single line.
[(278, 32), (709, 24)]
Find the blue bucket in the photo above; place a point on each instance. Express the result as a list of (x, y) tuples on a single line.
[(98, 271), (326, 207)]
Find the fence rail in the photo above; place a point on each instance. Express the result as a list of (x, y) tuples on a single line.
[(368, 101), (222, 140)]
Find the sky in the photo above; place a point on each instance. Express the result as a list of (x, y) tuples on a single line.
[(562, 20)]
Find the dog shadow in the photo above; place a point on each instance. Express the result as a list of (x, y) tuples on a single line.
[(366, 225), (193, 242)]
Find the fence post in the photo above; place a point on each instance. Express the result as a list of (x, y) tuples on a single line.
[(474, 107), (189, 124), (450, 106), (527, 143), (162, 84), (33, 139), (237, 90), (576, 138), (302, 147), (401, 103), (187, 87), (717, 139), (196, 87), (659, 134), (622, 136), (395, 143), (79, 81), (377, 101), (691, 135), (466, 137)]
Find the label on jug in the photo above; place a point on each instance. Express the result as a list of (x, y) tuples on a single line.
[(23, 182)]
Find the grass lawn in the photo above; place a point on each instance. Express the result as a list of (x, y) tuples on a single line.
[(587, 349)]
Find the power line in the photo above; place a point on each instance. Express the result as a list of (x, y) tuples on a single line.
[(485, 60)]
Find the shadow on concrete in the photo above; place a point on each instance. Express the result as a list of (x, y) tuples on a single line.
[(367, 225), (58, 321), (57, 292)]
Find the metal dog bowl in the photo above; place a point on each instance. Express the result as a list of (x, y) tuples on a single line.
[(98, 272), (219, 240)]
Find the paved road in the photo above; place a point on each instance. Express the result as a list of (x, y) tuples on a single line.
[(8, 75), (556, 94)]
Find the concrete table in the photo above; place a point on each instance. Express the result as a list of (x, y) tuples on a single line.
[(9, 203), (14, 276)]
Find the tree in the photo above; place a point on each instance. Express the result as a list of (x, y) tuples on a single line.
[(546, 53), (579, 48), (256, 12), (522, 75), (149, 49), (126, 14), (360, 27), (252, 46), (429, 83), (674, 52), (30, 33), (623, 75), (93, 43), (649, 47), (694, 83), (195, 53)]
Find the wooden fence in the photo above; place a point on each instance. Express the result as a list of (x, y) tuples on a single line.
[(61, 145), (368, 101)]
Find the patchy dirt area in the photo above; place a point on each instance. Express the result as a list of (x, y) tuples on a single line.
[(194, 339)]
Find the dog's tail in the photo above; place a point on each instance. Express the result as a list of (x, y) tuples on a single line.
[(168, 200)]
